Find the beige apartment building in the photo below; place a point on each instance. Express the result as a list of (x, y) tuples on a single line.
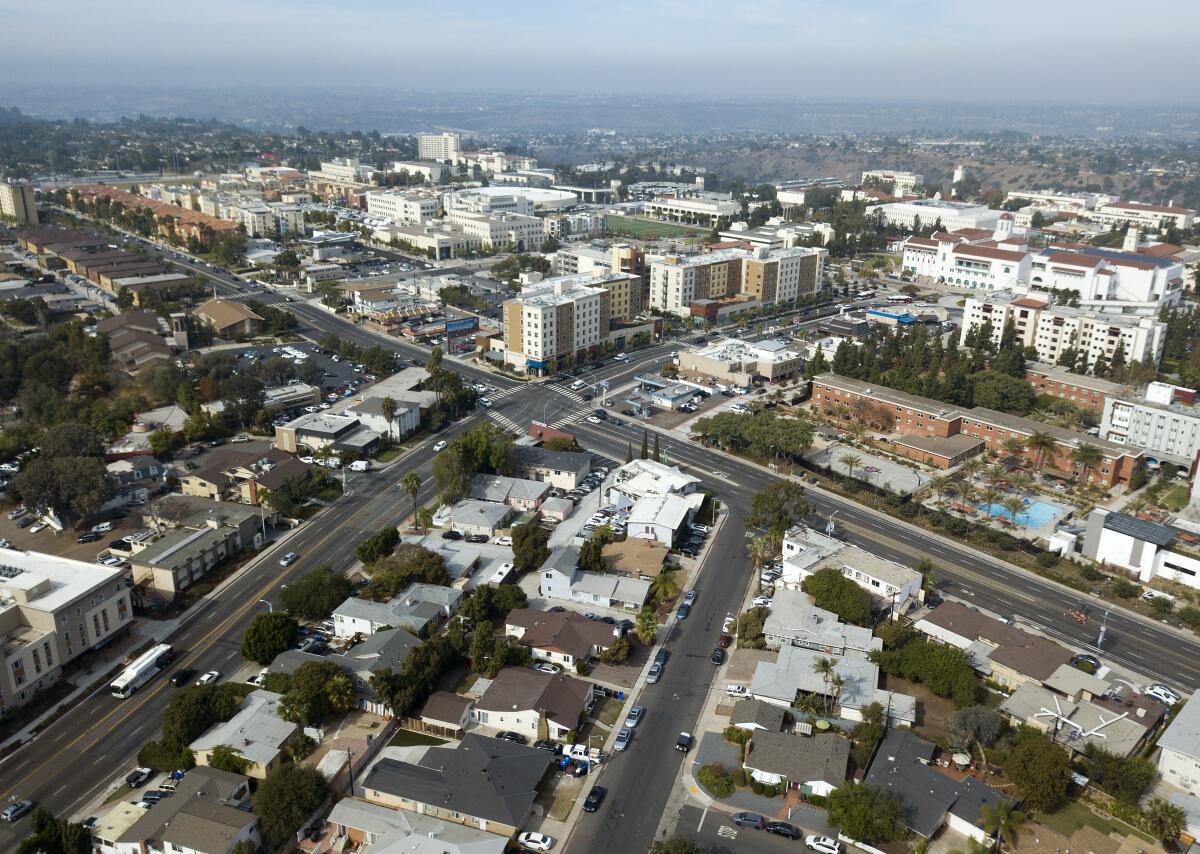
[(558, 317), (768, 276), (17, 203), (53, 610)]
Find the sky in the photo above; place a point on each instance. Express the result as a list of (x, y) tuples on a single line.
[(987, 50)]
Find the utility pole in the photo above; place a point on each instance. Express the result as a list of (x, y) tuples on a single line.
[(1103, 626)]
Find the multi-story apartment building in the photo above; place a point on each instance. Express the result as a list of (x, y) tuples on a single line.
[(921, 213), (442, 147), (53, 610), (404, 208), (559, 317), (902, 183), (1079, 390), (894, 412), (1052, 330), (677, 281), (429, 170), (515, 232), (17, 203), (1135, 213), (1164, 422)]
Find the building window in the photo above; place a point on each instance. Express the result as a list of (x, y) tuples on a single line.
[(18, 668)]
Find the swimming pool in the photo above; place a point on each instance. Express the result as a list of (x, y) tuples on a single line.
[(1037, 513)]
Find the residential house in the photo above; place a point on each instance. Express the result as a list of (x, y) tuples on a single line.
[(1179, 750), (929, 798), (139, 340), (405, 421), (1148, 549), (135, 480), (635, 557), (561, 578), (416, 608), (659, 518), (758, 715), (201, 817), (241, 477), (535, 704), (806, 551), (485, 518), (478, 782), (795, 621), (519, 494), (323, 431), (648, 479), (256, 732), (815, 765), (229, 319), (363, 826), (446, 714), (996, 650), (563, 469), (562, 637), (1076, 723)]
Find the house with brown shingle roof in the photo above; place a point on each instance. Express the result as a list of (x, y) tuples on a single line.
[(560, 637), (534, 704), (229, 319)]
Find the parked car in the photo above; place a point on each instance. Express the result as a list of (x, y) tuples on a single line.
[(684, 610), (684, 743), (724, 641), (102, 528), (25, 521), (535, 841), (1163, 694), (823, 844), (14, 812), (138, 777), (594, 798), (655, 673), (718, 656), (737, 690), (545, 667), (785, 829), (504, 541), (38, 526), (513, 737), (477, 538), (89, 537), (748, 819), (636, 713), (452, 535), (624, 736), (762, 602), (689, 598)]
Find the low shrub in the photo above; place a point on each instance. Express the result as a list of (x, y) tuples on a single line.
[(1047, 559), (714, 778), (736, 735)]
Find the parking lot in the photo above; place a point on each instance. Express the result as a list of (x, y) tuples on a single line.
[(872, 469)]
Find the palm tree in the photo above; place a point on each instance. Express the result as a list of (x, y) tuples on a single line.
[(663, 586), (388, 407), (1040, 443), (1013, 446), (1015, 507), (972, 467), (412, 485), (941, 484), (851, 462), (988, 496), (1085, 456), (967, 494), (1136, 506), (824, 668), (1002, 821), (647, 625), (759, 550), (424, 519)]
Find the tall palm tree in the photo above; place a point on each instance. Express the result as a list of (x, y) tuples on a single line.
[(824, 668), (1013, 446), (388, 407), (662, 586), (941, 484), (1040, 443), (411, 483), (759, 549), (1085, 456), (1015, 507), (851, 462), (972, 467), (988, 496), (1136, 506), (1002, 821)]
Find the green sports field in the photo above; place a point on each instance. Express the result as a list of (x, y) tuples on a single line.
[(645, 229)]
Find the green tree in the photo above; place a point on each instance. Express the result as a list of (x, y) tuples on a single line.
[(530, 549), (378, 545), (268, 635), (1165, 820), (834, 592), (483, 646), (226, 758), (978, 725), (287, 798), (645, 444), (663, 586), (675, 845), (778, 507), (408, 564), (314, 595), (1001, 820), (50, 835), (1041, 769), (656, 455), (451, 474), (387, 407), (411, 483), (1085, 457), (866, 813), (647, 625), (851, 462), (1002, 392)]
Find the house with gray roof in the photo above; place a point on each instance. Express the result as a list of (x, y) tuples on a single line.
[(1077, 723), (928, 797), (518, 493), (478, 782), (754, 714), (795, 621), (564, 469), (1179, 745), (815, 765), (256, 732), (416, 609), (389, 831), (561, 578), (487, 518)]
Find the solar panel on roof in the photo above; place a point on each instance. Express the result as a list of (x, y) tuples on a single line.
[(1139, 528)]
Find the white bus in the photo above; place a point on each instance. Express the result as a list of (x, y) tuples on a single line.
[(141, 670)]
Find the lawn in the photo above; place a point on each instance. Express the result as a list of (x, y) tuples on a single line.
[(645, 229), (408, 738), (1068, 819), (1175, 499), (608, 712)]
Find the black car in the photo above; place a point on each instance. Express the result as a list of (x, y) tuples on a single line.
[(25, 522), (748, 819), (476, 538), (718, 656), (182, 677), (594, 798), (89, 537), (684, 610), (546, 744), (784, 828), (452, 535), (661, 656), (608, 620), (513, 737)]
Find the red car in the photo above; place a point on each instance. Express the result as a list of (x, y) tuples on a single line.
[(724, 641)]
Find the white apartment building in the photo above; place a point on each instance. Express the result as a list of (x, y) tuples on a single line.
[(482, 202), (494, 231), (403, 208), (258, 219), (704, 209), (345, 170), (442, 147), (1179, 750), (574, 225), (1146, 549), (1066, 202), (676, 281), (903, 183), (1164, 422), (806, 551), (557, 317), (427, 169), (953, 216), (17, 203), (53, 610), (1052, 329), (289, 217), (1135, 213), (961, 258)]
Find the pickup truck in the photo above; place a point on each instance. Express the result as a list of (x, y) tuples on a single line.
[(737, 690)]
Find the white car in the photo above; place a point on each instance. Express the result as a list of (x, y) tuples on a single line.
[(536, 841), (545, 667), (360, 465), (823, 844), (762, 602), (504, 541), (307, 459), (624, 736), (737, 690), (439, 446), (1165, 695), (209, 678), (333, 463), (729, 624), (592, 419), (37, 526), (102, 528)]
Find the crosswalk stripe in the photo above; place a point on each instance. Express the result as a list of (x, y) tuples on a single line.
[(505, 422), (727, 831)]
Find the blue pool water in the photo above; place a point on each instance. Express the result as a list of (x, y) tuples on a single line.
[(1036, 514)]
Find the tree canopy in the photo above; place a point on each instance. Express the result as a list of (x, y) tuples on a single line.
[(866, 813), (1041, 769), (408, 564), (834, 592), (314, 595), (268, 635), (529, 546), (287, 798)]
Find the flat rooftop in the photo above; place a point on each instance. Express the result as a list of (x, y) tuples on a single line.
[(50, 581)]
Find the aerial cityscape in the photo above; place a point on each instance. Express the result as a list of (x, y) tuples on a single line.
[(680, 429)]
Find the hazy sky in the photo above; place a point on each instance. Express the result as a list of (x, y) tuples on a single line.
[(1050, 50)]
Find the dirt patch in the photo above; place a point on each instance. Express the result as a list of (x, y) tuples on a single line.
[(934, 713), (559, 795), (623, 675), (608, 712), (743, 662)]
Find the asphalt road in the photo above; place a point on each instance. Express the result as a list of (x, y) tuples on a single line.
[(715, 834), (73, 760)]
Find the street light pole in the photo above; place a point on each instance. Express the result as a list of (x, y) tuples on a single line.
[(270, 607)]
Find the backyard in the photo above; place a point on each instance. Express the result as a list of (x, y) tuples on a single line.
[(1067, 819)]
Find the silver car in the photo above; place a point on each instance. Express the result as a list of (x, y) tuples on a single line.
[(654, 674), (624, 736)]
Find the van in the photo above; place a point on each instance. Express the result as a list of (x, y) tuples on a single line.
[(360, 465), (577, 385), (102, 528)]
